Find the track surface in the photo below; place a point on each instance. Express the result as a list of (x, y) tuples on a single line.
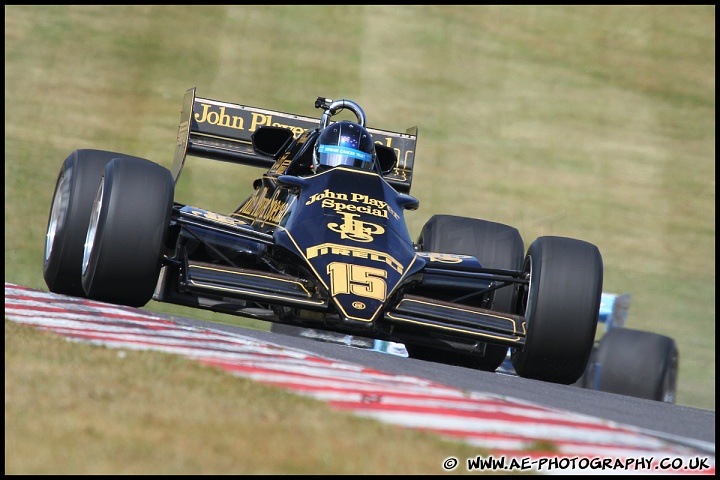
[(505, 414)]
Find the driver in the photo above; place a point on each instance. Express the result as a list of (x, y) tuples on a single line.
[(344, 143)]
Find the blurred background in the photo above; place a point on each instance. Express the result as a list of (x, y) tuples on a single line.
[(593, 122)]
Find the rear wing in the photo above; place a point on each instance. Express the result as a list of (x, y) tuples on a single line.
[(223, 131)]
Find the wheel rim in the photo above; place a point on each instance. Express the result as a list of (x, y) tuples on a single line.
[(59, 207), (92, 228)]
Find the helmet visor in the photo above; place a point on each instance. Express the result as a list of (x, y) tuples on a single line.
[(335, 155)]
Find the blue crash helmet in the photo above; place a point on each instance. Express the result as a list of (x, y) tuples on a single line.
[(344, 143)]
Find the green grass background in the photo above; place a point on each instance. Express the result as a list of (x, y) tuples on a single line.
[(594, 122)]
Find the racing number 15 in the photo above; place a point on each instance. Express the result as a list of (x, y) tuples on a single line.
[(358, 280)]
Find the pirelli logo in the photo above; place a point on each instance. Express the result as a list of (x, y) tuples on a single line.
[(335, 249)]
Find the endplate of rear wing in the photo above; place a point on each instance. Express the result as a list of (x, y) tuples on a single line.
[(223, 131)]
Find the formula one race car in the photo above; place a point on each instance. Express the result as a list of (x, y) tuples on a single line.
[(322, 243), (631, 362)]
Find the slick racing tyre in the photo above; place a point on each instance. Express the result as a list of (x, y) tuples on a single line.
[(75, 190), (126, 237), (637, 364), (495, 245), (562, 304)]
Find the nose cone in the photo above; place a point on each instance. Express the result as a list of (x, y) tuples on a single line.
[(349, 227)]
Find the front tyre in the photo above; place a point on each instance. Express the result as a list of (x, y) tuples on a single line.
[(126, 235), (561, 309), (637, 364), (76, 186)]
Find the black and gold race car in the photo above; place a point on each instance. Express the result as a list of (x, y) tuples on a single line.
[(322, 243)]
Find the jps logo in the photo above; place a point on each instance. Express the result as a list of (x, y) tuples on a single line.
[(355, 229)]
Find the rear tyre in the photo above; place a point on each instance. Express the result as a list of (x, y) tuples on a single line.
[(637, 364), (495, 245), (75, 190), (561, 309), (126, 235)]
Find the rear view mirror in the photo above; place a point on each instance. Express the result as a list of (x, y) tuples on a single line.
[(271, 141), (386, 158)]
